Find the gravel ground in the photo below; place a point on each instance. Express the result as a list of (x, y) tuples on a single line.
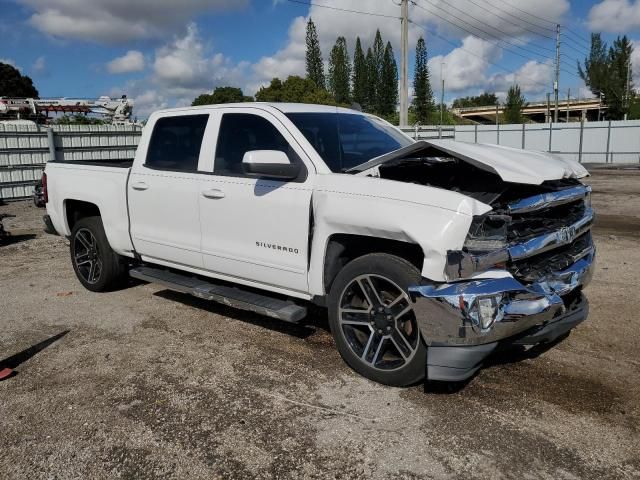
[(147, 383)]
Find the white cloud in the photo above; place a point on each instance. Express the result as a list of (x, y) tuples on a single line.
[(615, 16), (132, 61), (117, 21), (532, 77), (181, 70), (39, 65), (465, 67)]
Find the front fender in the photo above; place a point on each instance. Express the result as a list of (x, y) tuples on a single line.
[(429, 224)]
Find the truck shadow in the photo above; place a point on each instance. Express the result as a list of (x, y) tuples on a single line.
[(307, 327), (19, 358)]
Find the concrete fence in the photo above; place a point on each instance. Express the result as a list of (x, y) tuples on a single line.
[(586, 142), (25, 149)]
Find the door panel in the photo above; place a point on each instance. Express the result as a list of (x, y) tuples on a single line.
[(164, 196), (165, 217), (252, 228), (258, 230)]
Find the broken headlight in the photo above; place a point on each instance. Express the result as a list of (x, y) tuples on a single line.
[(487, 233)]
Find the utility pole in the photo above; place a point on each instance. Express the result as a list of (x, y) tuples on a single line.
[(556, 83), (442, 93), (627, 98), (404, 67), (568, 100), (548, 119)]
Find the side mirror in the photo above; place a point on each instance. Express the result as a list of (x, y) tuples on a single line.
[(269, 164)]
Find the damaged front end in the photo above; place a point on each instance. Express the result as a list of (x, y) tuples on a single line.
[(517, 277), (517, 280)]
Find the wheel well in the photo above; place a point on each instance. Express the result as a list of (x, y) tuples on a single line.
[(77, 209), (342, 248)]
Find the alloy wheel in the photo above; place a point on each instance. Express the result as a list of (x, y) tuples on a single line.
[(87, 256), (377, 321)]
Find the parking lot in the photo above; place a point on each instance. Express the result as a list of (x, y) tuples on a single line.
[(145, 383)]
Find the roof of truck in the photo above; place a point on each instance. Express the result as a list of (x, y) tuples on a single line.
[(283, 107)]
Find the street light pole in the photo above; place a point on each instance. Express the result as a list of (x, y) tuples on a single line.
[(404, 67), (442, 93), (556, 83)]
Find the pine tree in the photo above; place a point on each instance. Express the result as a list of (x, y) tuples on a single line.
[(514, 105), (388, 90), (372, 78), (315, 67), (375, 72), (423, 103), (340, 71), (360, 76)]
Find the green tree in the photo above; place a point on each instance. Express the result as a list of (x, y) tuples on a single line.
[(594, 72), (295, 89), (423, 104), (360, 76), (375, 72), (14, 84), (605, 72), (80, 119), (514, 105), (388, 89), (315, 67), (221, 95), (482, 100), (372, 79), (340, 71)]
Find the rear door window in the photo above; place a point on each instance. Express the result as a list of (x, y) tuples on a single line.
[(175, 143)]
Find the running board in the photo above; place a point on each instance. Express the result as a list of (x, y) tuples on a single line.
[(235, 297)]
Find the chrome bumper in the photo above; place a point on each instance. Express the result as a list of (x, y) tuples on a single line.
[(477, 312)]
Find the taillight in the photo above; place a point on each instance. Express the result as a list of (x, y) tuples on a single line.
[(45, 193)]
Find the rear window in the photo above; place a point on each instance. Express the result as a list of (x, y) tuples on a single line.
[(175, 143)]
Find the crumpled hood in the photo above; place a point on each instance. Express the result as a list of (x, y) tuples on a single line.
[(513, 164)]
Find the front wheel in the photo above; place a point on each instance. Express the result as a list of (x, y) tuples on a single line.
[(96, 265), (373, 322)]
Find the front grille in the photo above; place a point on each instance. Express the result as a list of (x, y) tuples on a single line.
[(525, 226), (539, 266)]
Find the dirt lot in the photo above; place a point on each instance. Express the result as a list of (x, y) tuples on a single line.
[(146, 383)]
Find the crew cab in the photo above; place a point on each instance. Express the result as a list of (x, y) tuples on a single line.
[(428, 255)]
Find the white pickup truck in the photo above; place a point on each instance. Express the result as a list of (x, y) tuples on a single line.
[(428, 255)]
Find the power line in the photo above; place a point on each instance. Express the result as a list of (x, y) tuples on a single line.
[(580, 37), (530, 14), (475, 54), (312, 4), (483, 31), (494, 36), (512, 22), (565, 28)]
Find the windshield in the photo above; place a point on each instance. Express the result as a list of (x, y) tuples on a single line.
[(345, 140)]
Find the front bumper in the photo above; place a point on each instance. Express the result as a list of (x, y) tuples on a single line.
[(460, 334)]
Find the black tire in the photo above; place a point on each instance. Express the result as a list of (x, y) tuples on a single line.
[(97, 266), (393, 363)]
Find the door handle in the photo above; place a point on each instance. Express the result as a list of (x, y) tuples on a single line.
[(139, 186), (215, 193)]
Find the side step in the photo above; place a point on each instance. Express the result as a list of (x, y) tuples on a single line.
[(235, 297)]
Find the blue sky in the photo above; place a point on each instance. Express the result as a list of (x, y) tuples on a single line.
[(164, 52)]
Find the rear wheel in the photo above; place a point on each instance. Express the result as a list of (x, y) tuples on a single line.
[(373, 322), (96, 265)]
